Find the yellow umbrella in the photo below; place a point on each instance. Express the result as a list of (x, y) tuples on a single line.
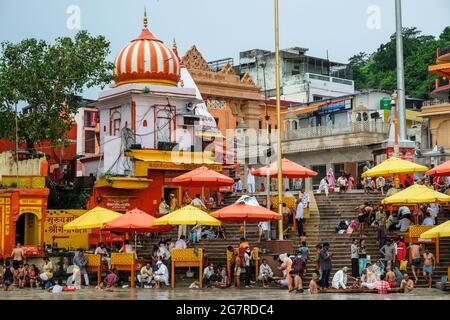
[(393, 166), (442, 230), (417, 194), (188, 215), (94, 218)]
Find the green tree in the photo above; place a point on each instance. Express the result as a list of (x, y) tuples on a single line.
[(378, 71), (49, 78)]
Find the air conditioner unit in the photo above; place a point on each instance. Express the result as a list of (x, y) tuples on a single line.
[(191, 120)]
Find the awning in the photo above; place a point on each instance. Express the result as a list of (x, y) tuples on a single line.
[(209, 134), (442, 70)]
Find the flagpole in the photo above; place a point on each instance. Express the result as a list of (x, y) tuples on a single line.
[(279, 155)]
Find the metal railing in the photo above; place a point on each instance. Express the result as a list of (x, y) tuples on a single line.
[(434, 102), (331, 130)]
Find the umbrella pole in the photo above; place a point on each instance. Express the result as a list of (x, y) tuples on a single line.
[(244, 229), (135, 236)]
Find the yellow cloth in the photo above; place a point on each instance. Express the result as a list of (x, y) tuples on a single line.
[(440, 231), (417, 194), (188, 215), (94, 218), (393, 166)]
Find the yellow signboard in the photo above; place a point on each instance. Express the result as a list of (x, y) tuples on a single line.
[(69, 239), (31, 202)]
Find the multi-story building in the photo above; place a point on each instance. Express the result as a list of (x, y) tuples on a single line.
[(343, 133), (304, 78), (437, 112)]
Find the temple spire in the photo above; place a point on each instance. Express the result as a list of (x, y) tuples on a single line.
[(145, 17), (174, 45)]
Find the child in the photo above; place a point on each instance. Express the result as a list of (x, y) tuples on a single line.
[(313, 284), (110, 280), (31, 276), (8, 276), (21, 273)]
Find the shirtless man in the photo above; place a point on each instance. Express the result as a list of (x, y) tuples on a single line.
[(407, 284), (313, 288), (21, 273), (414, 254), (390, 277), (429, 263), (17, 255)]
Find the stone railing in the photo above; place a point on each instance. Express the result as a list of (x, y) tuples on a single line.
[(332, 130)]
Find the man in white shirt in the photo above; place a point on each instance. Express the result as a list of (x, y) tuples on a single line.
[(161, 275), (238, 186), (145, 276), (265, 272), (181, 243), (209, 275), (340, 279), (299, 217), (265, 227), (163, 207), (434, 210), (127, 248), (163, 252), (104, 253), (323, 186), (197, 202), (250, 181)]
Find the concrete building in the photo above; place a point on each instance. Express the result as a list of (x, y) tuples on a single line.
[(303, 78), (342, 133), (437, 113)]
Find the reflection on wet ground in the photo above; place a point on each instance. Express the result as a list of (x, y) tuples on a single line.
[(212, 294)]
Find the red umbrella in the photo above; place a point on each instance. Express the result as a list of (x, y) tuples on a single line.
[(137, 221), (239, 212), (245, 212), (441, 170), (289, 169), (203, 177)]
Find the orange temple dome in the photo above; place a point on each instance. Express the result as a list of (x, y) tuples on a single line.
[(147, 60)]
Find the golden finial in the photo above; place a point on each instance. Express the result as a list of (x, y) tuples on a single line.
[(145, 17), (174, 43)]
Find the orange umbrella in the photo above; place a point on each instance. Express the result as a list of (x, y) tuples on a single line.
[(289, 169), (239, 212), (441, 170), (203, 177), (137, 221)]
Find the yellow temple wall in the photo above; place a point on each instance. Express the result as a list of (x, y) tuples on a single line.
[(69, 239)]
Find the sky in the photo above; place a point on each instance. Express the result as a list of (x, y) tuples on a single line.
[(223, 28)]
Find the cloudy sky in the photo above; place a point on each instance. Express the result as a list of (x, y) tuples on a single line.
[(223, 28)]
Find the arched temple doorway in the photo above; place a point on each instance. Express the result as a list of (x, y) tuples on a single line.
[(27, 229)]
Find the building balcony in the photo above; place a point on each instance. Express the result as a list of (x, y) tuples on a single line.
[(331, 137), (443, 55), (146, 159), (442, 66)]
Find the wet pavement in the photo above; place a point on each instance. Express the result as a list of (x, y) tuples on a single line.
[(212, 294)]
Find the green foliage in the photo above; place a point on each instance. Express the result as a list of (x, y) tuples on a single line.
[(378, 70), (49, 78)]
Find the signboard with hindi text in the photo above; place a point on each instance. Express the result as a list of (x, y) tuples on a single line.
[(54, 230)]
